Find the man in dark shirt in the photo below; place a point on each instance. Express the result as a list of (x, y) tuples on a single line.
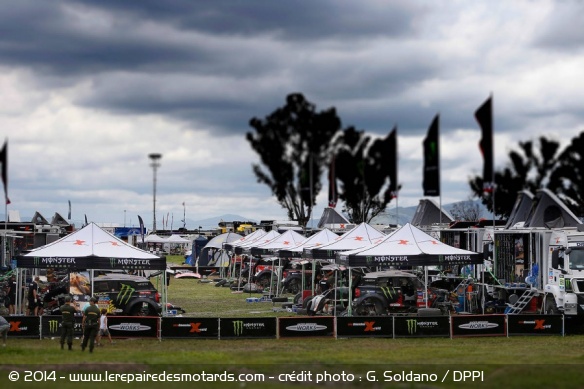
[(68, 322), (11, 296), (90, 324), (33, 296)]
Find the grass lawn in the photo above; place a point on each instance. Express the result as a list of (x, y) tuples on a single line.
[(515, 362)]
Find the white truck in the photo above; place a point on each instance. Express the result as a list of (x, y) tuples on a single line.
[(562, 275)]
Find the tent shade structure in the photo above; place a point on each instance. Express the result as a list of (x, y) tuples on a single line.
[(268, 236), (428, 213), (176, 239), (229, 246), (330, 217), (321, 238), (361, 236), (408, 246), (153, 238), (213, 254), (90, 248), (550, 212), (288, 239), (520, 209)]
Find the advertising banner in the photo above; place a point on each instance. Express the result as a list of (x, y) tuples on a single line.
[(535, 324), (51, 326), (478, 325), (374, 326), (24, 326), (422, 326), (248, 328), (189, 327), (133, 326), (308, 326)]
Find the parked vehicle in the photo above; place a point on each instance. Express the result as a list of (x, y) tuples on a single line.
[(123, 294), (393, 291)]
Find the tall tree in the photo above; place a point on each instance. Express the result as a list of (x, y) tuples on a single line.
[(362, 168), (529, 168), (567, 177), (293, 145)]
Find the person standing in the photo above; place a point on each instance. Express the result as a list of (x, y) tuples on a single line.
[(4, 327), (103, 330), (67, 323), (90, 324), (33, 296), (11, 296)]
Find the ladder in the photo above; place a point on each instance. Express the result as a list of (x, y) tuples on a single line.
[(522, 302)]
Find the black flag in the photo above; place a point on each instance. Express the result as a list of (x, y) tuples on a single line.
[(141, 227), (4, 162), (69, 214), (484, 116), (392, 141), (431, 182), (333, 195)]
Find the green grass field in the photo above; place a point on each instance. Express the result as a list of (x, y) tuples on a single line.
[(515, 362)]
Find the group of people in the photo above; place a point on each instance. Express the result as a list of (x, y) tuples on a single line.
[(94, 324), (34, 306)]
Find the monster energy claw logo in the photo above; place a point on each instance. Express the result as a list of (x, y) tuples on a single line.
[(37, 261), (388, 292), (112, 262), (126, 292), (412, 326), (53, 325), (238, 328)]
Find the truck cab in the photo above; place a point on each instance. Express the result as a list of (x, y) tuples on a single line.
[(564, 286)]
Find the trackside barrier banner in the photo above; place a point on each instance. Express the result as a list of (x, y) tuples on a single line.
[(574, 324), (308, 326), (248, 328), (422, 326), (51, 326), (190, 327), (24, 326), (133, 326), (478, 325), (535, 325), (374, 326)]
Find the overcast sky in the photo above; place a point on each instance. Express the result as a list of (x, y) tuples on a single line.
[(90, 88)]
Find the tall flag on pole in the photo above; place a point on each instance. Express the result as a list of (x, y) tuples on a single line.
[(392, 142), (431, 181), (333, 195), (141, 227), (484, 116), (4, 162), (69, 214)]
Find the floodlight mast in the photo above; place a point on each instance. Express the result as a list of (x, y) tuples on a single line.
[(155, 158)]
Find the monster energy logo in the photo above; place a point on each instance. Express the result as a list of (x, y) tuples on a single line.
[(412, 326), (53, 326), (238, 328), (126, 292), (388, 292), (37, 261), (112, 262), (369, 259)]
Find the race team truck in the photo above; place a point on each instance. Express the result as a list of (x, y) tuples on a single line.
[(563, 273)]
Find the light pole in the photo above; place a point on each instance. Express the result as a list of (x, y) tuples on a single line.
[(155, 157)]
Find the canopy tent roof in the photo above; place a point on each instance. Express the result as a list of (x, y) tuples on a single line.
[(550, 212), (153, 238), (428, 212), (91, 247), (521, 208), (331, 217), (268, 236), (176, 239), (288, 239), (244, 239), (217, 242), (321, 238), (408, 246), (360, 236)]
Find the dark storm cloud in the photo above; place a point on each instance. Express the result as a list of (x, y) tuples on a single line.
[(290, 20)]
